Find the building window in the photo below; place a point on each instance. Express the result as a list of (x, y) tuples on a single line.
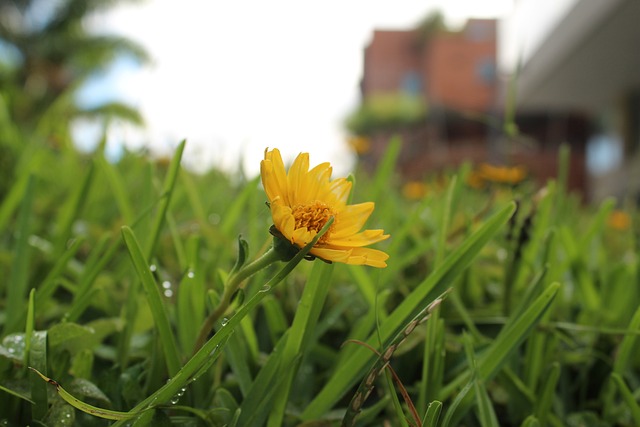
[(486, 71), (411, 83), (478, 31)]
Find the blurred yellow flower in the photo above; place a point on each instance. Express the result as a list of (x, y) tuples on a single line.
[(501, 174), (414, 190), (619, 220), (303, 200), (476, 181), (359, 144)]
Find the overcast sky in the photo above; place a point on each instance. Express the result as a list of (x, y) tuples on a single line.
[(236, 77)]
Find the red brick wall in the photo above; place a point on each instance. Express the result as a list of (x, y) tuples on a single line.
[(387, 59), (454, 68), (449, 64)]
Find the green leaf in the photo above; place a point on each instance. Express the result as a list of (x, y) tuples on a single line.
[(301, 332), (154, 298), (433, 414), (243, 253), (71, 211), (547, 397), (486, 413), (83, 406), (628, 397), (234, 212), (626, 351), (212, 348), (347, 374), (38, 360), (18, 279), (386, 168), (451, 411), (510, 337)]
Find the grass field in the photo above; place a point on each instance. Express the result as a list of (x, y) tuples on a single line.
[(508, 305)]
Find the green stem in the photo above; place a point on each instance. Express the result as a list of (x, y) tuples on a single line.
[(232, 285)]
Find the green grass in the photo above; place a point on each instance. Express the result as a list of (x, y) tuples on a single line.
[(110, 270)]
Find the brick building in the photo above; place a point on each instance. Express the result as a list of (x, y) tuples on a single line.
[(455, 74)]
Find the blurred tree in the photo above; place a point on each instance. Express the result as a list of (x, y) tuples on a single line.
[(432, 24), (47, 53), (392, 111)]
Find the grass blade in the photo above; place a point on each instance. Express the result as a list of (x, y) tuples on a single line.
[(301, 332), (432, 415), (167, 191), (18, 279), (347, 374), (213, 346), (628, 398), (154, 299)]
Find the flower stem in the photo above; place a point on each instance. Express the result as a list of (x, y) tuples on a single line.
[(232, 285)]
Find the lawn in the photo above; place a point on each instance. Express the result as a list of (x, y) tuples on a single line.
[(134, 293)]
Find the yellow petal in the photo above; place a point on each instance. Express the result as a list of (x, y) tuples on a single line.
[(351, 219), (283, 219), (365, 238), (336, 193), (355, 256), (276, 176), (296, 178), (333, 255), (302, 236), (314, 181)]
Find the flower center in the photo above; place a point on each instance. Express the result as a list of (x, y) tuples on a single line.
[(314, 216)]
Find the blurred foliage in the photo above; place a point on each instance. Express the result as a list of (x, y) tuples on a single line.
[(48, 52), (491, 311), (392, 111), (541, 321), (430, 25)]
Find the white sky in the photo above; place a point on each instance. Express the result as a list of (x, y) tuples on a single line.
[(235, 77)]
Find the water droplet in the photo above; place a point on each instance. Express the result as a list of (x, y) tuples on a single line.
[(214, 219), (190, 274), (176, 398), (153, 268), (224, 321), (15, 344), (265, 288), (166, 284), (168, 293), (214, 351)]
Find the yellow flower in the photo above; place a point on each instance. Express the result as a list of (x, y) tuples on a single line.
[(414, 190), (502, 174), (619, 220), (476, 181), (303, 200), (360, 144)]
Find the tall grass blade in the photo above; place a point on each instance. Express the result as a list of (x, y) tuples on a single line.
[(213, 346), (347, 374), (301, 332), (16, 286), (154, 298)]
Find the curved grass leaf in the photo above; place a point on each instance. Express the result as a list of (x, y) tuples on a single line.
[(301, 333), (154, 298), (85, 407), (212, 348), (347, 374), (628, 398)]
